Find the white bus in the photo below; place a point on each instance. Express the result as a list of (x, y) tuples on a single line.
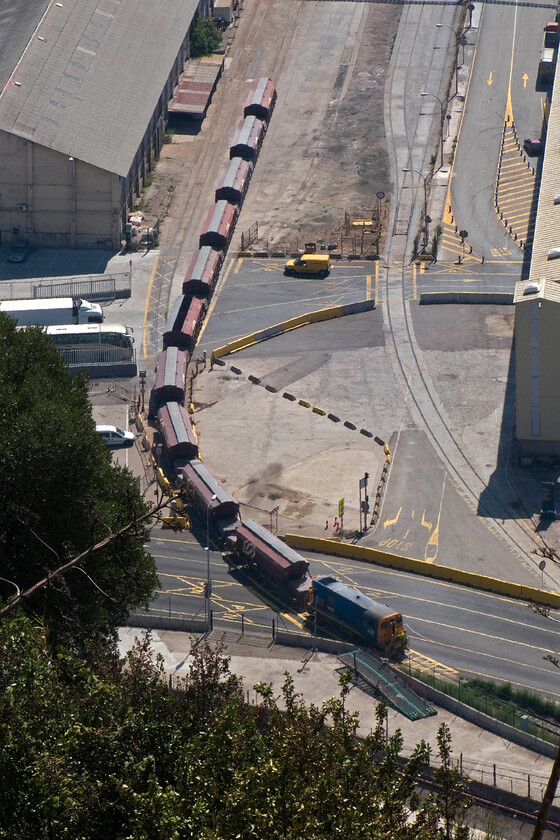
[(117, 338)]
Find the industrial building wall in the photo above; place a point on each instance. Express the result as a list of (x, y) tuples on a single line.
[(537, 375), (54, 200)]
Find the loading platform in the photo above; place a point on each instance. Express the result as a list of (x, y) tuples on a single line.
[(381, 676)]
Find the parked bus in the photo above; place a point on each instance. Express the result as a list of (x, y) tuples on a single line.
[(93, 336)]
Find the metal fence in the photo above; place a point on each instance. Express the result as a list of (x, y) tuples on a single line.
[(249, 236), (94, 355), (93, 287)]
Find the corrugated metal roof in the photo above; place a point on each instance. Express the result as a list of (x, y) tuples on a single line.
[(89, 80), (18, 21), (547, 228), (196, 86)]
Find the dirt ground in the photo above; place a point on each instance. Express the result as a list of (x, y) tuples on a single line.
[(333, 160)]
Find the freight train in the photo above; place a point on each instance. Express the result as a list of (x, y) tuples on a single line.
[(341, 608), (189, 309), (245, 541)]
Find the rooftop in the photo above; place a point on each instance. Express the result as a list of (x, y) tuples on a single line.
[(83, 77), (537, 290)]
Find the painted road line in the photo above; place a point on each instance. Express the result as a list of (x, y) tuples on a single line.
[(146, 308)]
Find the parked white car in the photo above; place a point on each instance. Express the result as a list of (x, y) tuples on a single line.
[(113, 436)]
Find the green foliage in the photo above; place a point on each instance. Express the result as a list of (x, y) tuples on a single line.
[(501, 701), (61, 495), (205, 37), (109, 750)]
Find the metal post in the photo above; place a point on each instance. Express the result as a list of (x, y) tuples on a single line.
[(207, 593), (442, 106), (425, 183), (457, 34), (360, 503)]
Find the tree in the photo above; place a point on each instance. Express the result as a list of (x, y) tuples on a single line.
[(105, 748), (205, 37), (62, 494)]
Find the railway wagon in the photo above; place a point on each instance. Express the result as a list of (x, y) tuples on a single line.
[(248, 139), (361, 615), (219, 225), (261, 100), (277, 562), (179, 438), (234, 181), (202, 272), (184, 323), (170, 376), (209, 498)]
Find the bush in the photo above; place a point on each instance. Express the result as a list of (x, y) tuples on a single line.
[(205, 38)]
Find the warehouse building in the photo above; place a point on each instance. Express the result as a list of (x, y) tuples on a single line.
[(85, 86), (537, 347), (537, 313)]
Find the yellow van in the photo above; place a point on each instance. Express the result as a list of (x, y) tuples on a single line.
[(309, 264)]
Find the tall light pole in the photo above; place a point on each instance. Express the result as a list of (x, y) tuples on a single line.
[(425, 179), (208, 590), (458, 36), (443, 108)]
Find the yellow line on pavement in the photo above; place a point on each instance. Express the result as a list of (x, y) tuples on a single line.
[(368, 286), (292, 619), (152, 275), (214, 301)]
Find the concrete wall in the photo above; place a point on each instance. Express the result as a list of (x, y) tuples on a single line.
[(537, 373), (54, 200)]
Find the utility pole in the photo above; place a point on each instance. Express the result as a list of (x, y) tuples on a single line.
[(548, 798)]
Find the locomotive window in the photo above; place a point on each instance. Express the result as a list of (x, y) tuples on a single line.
[(385, 624)]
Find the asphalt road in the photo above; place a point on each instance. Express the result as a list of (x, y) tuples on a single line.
[(466, 631), (506, 63), (255, 293)]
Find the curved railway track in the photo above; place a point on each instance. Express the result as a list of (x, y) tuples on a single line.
[(425, 408)]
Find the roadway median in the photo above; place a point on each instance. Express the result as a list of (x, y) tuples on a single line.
[(292, 324)]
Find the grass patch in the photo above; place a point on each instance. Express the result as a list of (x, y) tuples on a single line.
[(501, 701)]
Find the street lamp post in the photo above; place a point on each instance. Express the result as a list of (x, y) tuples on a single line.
[(442, 107), (458, 37), (425, 179), (208, 590)]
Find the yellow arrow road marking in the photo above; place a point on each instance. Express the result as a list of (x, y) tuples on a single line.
[(425, 522), (525, 78), (392, 521), (489, 80)]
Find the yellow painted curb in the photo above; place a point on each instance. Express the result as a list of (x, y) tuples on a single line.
[(395, 561)]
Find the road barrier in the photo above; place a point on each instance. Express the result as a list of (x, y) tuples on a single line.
[(409, 564), (292, 324)]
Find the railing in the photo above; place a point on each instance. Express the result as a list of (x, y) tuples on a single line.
[(249, 236), (95, 355), (93, 287)]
